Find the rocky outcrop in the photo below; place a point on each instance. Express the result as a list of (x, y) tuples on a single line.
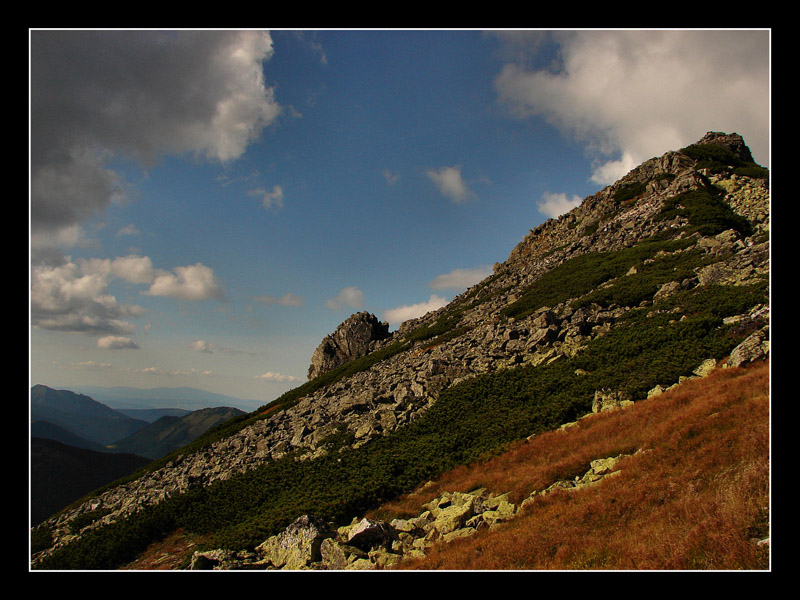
[(354, 338)]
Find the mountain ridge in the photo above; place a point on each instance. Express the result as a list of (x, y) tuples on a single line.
[(683, 235)]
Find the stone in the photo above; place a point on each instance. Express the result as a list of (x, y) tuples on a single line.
[(368, 534), (755, 347), (609, 400), (297, 546)]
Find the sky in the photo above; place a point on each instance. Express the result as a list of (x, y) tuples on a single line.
[(206, 205)]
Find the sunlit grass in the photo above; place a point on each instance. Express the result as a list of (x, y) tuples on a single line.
[(696, 496)]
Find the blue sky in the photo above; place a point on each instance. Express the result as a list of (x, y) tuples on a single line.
[(206, 205)]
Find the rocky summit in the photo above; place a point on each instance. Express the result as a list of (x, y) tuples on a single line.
[(661, 276)]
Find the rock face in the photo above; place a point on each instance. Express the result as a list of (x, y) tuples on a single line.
[(354, 338)]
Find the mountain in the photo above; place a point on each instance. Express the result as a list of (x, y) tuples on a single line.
[(48, 431), (81, 415), (659, 279), (152, 414), (170, 432), (61, 474), (185, 398)]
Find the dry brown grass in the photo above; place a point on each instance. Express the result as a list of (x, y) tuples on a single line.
[(696, 496)]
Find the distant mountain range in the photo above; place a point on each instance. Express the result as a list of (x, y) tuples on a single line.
[(81, 415), (186, 398), (79, 444), (169, 433)]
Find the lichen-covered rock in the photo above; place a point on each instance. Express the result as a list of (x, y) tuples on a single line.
[(297, 546)]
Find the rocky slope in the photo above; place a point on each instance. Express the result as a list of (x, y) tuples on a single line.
[(496, 325)]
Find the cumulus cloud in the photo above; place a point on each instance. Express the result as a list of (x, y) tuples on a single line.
[(100, 95), (350, 296), (116, 342), (65, 298), (73, 295), (194, 282), (202, 346), (632, 95), (451, 184), (268, 376), (554, 205), (460, 279), (395, 316), (288, 299)]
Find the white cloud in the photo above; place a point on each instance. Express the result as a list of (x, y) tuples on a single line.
[(128, 230), (89, 365), (99, 95), (271, 200), (194, 282), (632, 95), (451, 184), (350, 296), (212, 348), (171, 372), (395, 316), (554, 205), (276, 377), (202, 346), (116, 342), (65, 298), (460, 279), (73, 296), (288, 299)]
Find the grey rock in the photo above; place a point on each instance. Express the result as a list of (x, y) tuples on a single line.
[(354, 338)]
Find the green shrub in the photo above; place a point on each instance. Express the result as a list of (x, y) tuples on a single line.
[(718, 159), (706, 212), (41, 538), (583, 273), (629, 191)]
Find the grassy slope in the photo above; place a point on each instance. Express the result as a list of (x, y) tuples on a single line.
[(696, 498)]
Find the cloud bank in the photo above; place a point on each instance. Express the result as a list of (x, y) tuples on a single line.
[(633, 95)]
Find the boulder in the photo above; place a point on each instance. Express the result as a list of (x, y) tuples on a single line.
[(609, 400), (297, 546), (755, 347)]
